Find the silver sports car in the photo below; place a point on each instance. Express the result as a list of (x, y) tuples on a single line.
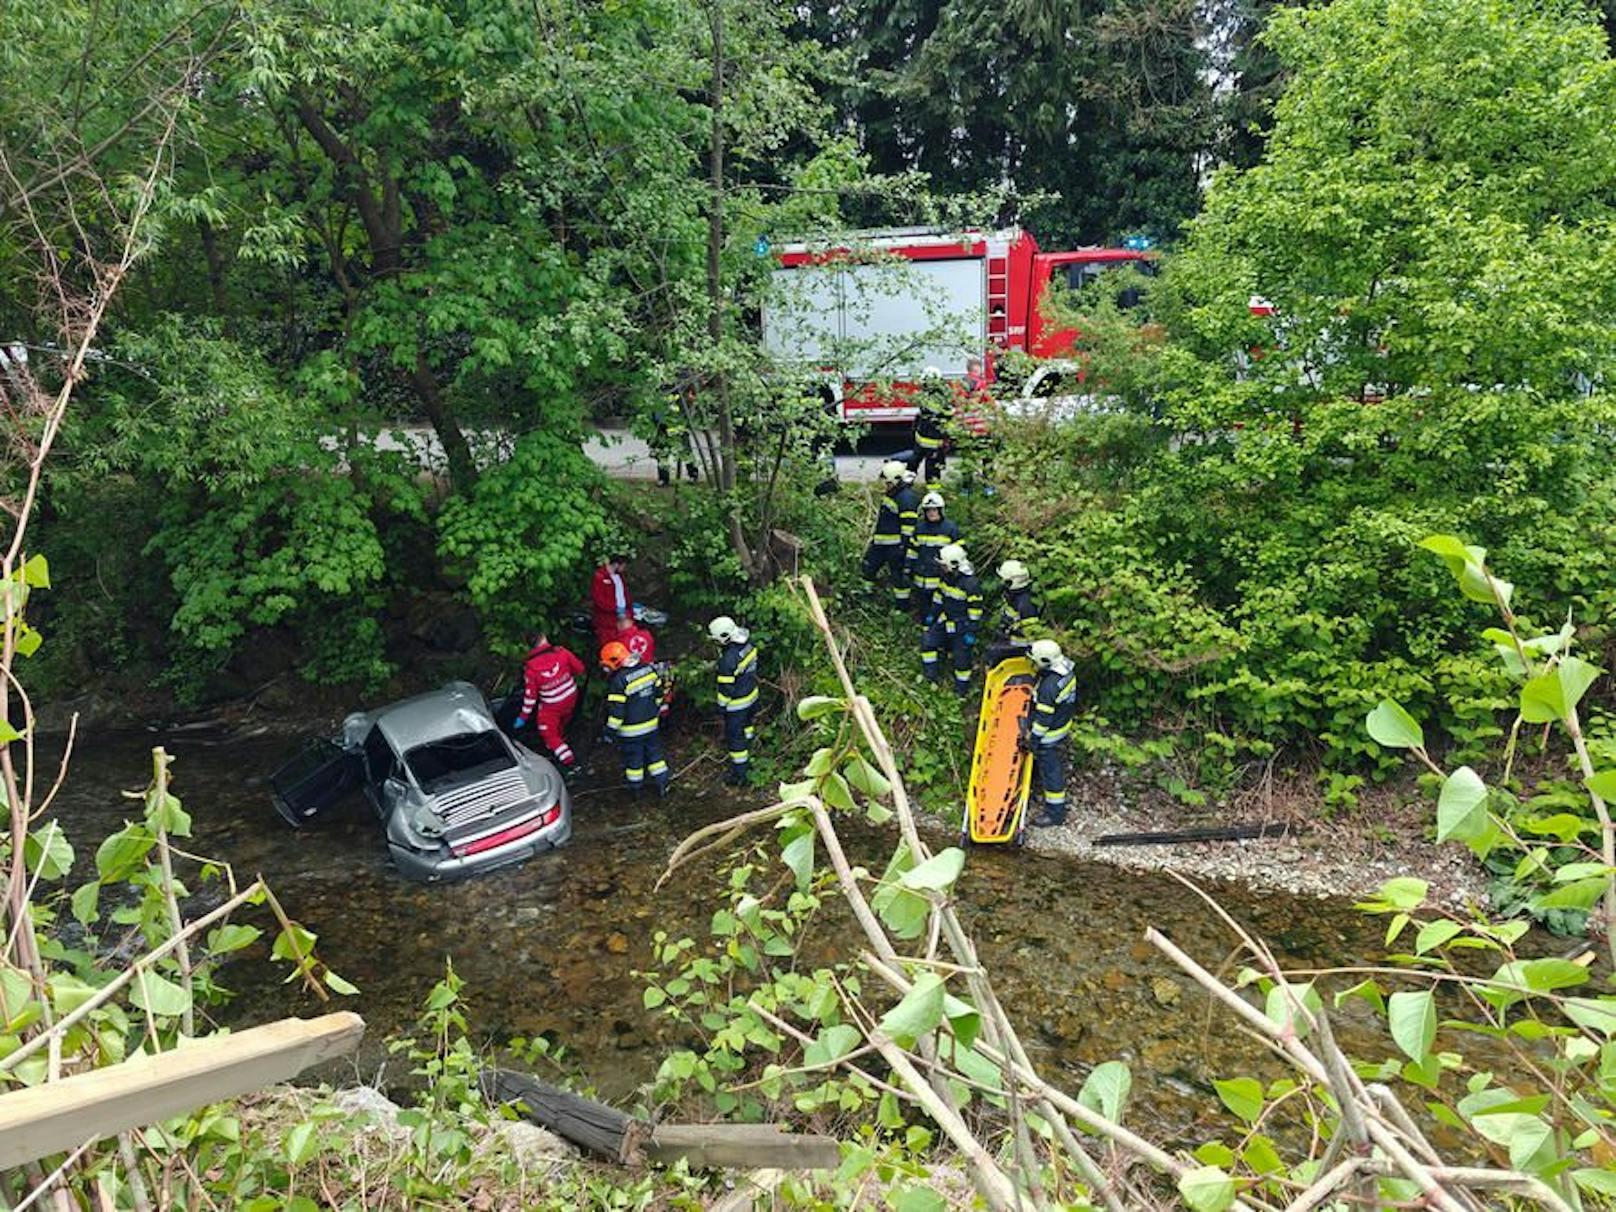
[(455, 795)]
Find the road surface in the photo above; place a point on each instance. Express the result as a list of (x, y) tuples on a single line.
[(623, 456)]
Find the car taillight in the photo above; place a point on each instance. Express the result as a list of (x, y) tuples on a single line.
[(513, 834)]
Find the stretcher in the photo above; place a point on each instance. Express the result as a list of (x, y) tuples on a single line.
[(1001, 770)]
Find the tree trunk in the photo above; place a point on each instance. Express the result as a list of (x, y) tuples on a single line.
[(215, 259), (715, 298), (456, 450)]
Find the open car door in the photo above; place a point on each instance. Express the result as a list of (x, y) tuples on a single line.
[(315, 781)]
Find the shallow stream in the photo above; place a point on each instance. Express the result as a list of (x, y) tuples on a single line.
[(550, 947)]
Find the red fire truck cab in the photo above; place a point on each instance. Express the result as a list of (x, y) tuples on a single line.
[(871, 310)]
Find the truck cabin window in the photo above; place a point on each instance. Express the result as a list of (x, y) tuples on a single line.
[(458, 758), (1082, 273)]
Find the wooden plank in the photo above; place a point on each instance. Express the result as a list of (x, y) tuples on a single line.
[(741, 1147), (61, 1116)]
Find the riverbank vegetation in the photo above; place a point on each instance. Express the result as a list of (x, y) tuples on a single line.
[(246, 239)]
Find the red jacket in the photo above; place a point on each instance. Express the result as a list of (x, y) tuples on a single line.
[(547, 677), (639, 641), (608, 599)]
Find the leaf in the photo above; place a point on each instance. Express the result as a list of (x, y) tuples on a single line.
[(1579, 894), (1603, 784), (1412, 1018), (339, 985), (1282, 1001), (300, 1143), (1596, 1014), (653, 997), (1600, 1182), (937, 873), (1243, 1096), (36, 572), (48, 853), (232, 937), (816, 705), (902, 911), (798, 854), (1394, 728), (1207, 1189), (1106, 1088), (833, 1044), (1405, 892), (866, 778), (86, 900), (159, 995), (1433, 934), (1468, 565), (8, 733), (834, 791), (963, 1019), (1554, 695), (1461, 809), (918, 1014), (118, 856), (920, 1199)]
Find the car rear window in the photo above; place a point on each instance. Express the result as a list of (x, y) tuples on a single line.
[(458, 758)]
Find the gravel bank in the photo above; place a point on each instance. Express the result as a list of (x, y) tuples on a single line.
[(1349, 853)]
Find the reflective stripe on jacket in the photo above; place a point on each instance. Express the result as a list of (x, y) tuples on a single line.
[(1019, 607), (737, 676), (896, 520), (632, 702), (547, 676), (959, 597), (1054, 706), (929, 539)]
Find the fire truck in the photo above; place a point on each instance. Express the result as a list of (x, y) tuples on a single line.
[(869, 311)]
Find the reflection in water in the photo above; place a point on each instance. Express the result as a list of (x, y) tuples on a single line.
[(549, 947)]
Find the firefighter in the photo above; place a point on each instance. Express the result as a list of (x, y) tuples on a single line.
[(548, 688), (737, 693), (932, 533), (958, 617), (637, 640), (935, 401), (670, 444), (633, 718), (1020, 608), (610, 605), (894, 530), (1045, 736)]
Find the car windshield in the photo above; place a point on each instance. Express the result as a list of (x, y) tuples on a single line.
[(458, 758)]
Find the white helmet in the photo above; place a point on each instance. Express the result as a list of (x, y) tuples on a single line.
[(930, 375), (1046, 654), (932, 500), (724, 630), (1014, 573), (953, 557), (895, 472)]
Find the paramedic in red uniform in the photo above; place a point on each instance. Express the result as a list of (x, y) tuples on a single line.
[(609, 603), (547, 684), (637, 640)]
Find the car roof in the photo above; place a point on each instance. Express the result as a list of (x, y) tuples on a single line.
[(453, 710)]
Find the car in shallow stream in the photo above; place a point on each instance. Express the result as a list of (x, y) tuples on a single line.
[(455, 795)]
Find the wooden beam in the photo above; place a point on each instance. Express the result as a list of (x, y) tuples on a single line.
[(742, 1147), (60, 1116), (607, 1132)]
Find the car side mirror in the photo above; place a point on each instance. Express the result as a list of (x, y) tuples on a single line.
[(394, 788)]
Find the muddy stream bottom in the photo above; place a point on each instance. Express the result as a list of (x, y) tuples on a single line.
[(551, 947)]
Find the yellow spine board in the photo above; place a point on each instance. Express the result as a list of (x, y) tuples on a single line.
[(1001, 774)]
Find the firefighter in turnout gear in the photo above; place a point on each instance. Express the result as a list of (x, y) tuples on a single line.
[(737, 693), (1019, 609), (633, 718), (959, 616), (549, 691), (894, 530), (935, 400), (932, 533), (1054, 705)]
